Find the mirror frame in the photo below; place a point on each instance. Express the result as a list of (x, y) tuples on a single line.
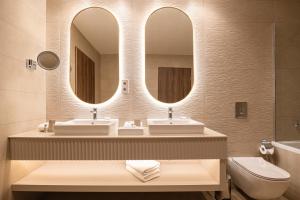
[(144, 54), (118, 89)]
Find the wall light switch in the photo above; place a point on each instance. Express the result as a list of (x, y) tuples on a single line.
[(241, 110), (125, 86)]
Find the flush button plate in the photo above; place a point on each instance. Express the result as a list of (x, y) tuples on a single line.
[(241, 110)]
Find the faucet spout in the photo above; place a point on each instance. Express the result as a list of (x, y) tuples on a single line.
[(94, 112), (170, 113)]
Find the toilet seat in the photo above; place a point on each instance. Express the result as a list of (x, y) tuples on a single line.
[(260, 168)]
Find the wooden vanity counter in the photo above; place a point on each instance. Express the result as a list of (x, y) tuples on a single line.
[(96, 163), (35, 145)]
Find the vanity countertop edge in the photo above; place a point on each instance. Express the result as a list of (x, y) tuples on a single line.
[(35, 134)]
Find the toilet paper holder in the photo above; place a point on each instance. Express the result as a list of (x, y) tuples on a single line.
[(266, 147), (267, 144)]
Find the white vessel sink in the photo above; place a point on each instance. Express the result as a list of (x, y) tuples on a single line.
[(86, 127), (174, 126)]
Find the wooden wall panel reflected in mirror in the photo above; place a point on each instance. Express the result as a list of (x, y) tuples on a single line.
[(169, 55), (94, 55), (168, 77), (85, 77)]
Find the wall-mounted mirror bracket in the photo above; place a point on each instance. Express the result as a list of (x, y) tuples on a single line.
[(30, 64)]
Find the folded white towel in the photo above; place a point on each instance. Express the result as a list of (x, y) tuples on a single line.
[(143, 166), (155, 174)]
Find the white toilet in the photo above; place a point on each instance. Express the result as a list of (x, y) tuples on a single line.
[(258, 178)]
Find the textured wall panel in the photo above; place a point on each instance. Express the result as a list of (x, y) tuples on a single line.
[(233, 62)]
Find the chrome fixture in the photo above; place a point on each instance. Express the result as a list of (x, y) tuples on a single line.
[(267, 144), (30, 64), (47, 60), (94, 112), (297, 124), (170, 113), (45, 130)]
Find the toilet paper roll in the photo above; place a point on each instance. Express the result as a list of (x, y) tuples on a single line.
[(264, 151)]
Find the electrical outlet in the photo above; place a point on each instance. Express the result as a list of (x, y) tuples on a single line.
[(125, 86)]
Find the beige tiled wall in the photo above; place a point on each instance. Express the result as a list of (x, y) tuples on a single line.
[(22, 92), (233, 62), (288, 71)]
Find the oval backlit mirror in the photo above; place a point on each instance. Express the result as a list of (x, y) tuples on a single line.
[(169, 55), (94, 55), (48, 60)]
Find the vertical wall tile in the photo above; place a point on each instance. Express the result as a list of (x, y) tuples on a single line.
[(22, 92)]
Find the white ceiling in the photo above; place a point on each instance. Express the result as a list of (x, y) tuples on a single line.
[(168, 31)]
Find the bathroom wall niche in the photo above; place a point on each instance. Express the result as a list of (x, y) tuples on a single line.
[(94, 57), (169, 55)]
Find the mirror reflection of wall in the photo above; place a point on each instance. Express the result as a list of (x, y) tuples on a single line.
[(287, 84), (169, 55), (94, 59)]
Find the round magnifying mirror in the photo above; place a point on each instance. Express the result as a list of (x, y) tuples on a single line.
[(48, 60)]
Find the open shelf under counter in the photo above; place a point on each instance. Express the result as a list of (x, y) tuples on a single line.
[(111, 176), (34, 145)]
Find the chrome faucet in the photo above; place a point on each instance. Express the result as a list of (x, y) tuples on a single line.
[(170, 113), (297, 124), (94, 112)]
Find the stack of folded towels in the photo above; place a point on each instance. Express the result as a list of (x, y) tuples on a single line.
[(144, 170)]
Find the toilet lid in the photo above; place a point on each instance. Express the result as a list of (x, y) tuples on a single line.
[(261, 168)]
